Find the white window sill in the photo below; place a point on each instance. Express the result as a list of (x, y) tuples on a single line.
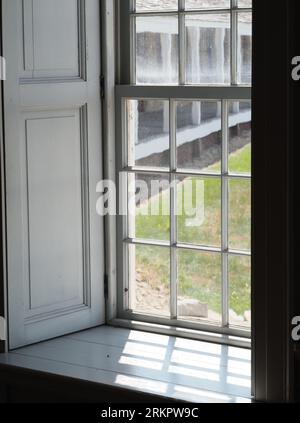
[(163, 365)]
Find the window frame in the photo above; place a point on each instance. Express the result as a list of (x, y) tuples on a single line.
[(129, 25), (221, 92), (181, 93)]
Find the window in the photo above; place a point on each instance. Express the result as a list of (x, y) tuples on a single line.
[(185, 164)]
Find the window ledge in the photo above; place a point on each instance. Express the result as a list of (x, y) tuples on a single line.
[(143, 363)]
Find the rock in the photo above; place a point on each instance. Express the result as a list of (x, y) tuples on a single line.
[(192, 308), (214, 316), (234, 317), (247, 316)]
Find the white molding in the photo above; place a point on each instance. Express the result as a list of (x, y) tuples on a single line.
[(108, 12), (3, 283), (27, 67)]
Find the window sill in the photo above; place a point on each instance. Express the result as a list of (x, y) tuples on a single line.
[(143, 363), (142, 323)]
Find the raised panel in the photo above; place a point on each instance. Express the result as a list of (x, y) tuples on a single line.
[(55, 48), (52, 41), (55, 232)]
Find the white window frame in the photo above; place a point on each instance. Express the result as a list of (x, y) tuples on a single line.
[(181, 13), (117, 310)]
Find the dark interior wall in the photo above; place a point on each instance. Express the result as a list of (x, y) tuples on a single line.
[(294, 189), (272, 283), (276, 102)]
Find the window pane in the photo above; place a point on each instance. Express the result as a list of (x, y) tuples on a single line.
[(156, 5), (199, 211), (207, 4), (240, 137), (240, 291), (199, 135), (245, 3), (240, 214), (244, 48), (157, 50), (208, 49), (149, 207), (148, 133), (199, 284), (149, 280)]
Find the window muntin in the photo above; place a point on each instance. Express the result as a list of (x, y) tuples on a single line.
[(182, 138)]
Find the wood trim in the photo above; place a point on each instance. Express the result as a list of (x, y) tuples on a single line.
[(109, 60), (271, 163), (3, 305), (294, 353)]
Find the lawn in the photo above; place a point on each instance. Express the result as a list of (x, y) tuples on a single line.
[(199, 274)]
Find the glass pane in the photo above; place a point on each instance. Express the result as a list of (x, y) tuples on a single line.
[(156, 5), (240, 137), (244, 54), (207, 4), (157, 50), (245, 3), (240, 291), (199, 286), (149, 207), (208, 49), (199, 211), (240, 214), (199, 135), (149, 279), (148, 133)]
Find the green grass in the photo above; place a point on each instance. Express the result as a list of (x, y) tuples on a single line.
[(199, 274), (240, 162)]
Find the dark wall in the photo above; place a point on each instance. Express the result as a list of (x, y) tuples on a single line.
[(276, 129), (26, 386), (294, 188)]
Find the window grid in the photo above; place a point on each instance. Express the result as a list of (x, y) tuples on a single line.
[(173, 245), (181, 13), (174, 172)]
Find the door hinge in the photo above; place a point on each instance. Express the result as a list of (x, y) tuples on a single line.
[(106, 289), (102, 86)]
